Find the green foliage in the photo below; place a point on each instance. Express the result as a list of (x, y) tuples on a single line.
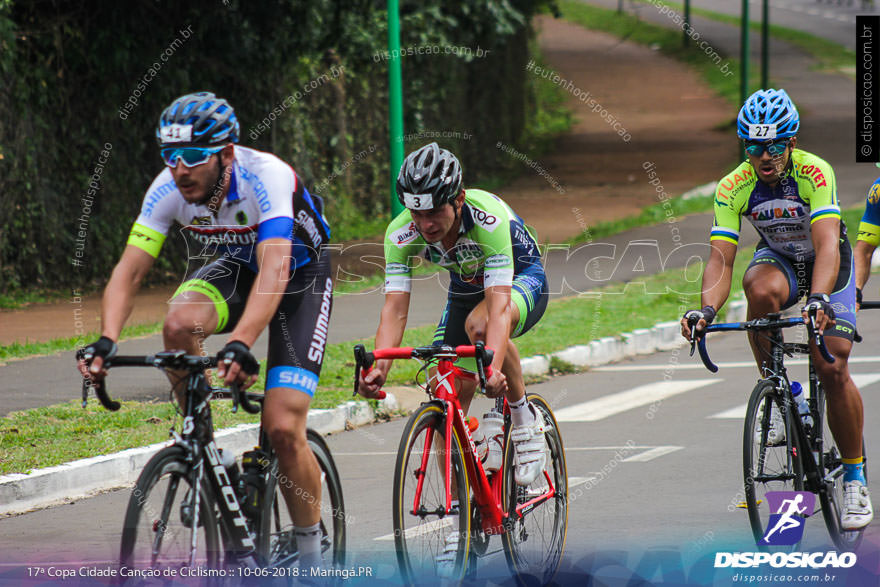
[(73, 84)]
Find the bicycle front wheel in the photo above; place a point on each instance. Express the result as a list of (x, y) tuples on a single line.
[(537, 514), (430, 542), (275, 540), (161, 531), (770, 461)]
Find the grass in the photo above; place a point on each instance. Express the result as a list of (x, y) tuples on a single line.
[(19, 350), (830, 55), (653, 214), (17, 299), (667, 41)]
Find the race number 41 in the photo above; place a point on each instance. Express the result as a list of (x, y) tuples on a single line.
[(762, 131)]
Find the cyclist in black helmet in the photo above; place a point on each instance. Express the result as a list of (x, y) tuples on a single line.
[(498, 287), (262, 236)]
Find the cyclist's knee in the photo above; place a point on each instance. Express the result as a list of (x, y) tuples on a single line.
[(287, 436), (475, 327), (833, 376), (769, 294), (179, 330)]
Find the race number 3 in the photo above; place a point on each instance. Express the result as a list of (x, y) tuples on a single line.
[(762, 131), (418, 201)]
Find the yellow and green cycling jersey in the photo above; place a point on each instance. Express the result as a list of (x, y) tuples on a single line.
[(783, 214)]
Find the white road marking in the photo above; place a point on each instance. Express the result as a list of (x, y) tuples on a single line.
[(730, 365), (432, 526), (739, 412), (650, 455), (623, 401)]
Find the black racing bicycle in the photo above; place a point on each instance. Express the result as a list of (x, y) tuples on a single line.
[(191, 515), (795, 456)]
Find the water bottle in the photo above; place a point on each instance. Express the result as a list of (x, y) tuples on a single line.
[(479, 438), (493, 428), (797, 392)]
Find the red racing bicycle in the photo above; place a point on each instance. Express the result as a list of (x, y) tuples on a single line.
[(446, 505)]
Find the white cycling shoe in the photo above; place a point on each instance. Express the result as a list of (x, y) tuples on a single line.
[(857, 509), (776, 434), (530, 448)]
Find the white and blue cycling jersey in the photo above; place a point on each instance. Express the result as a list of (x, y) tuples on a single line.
[(266, 200)]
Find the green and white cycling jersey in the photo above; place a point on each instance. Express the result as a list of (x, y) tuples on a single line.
[(494, 246)]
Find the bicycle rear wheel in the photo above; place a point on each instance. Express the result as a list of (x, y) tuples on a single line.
[(275, 539), (768, 465), (158, 531), (538, 518), (423, 531)]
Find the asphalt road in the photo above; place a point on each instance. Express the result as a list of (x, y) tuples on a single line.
[(654, 473)]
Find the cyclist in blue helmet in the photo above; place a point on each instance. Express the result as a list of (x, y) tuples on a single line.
[(260, 239), (790, 197)]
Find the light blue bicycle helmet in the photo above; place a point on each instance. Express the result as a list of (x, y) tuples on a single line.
[(768, 107), (197, 120)]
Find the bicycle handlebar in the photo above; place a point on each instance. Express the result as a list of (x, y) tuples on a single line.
[(364, 360), (768, 323), (166, 360)]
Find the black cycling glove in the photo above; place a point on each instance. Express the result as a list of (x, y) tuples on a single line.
[(707, 314), (237, 352), (103, 347), (820, 301)]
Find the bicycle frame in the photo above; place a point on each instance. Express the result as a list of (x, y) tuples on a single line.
[(197, 440), (487, 492)]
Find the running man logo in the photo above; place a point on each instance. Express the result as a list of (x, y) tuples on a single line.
[(790, 510)]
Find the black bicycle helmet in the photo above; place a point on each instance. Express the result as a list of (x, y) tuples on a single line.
[(199, 119), (428, 178)]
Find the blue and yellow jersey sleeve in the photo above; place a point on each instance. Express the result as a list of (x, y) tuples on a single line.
[(869, 228), (731, 198)]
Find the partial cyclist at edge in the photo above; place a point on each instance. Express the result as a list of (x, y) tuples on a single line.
[(868, 238), (498, 289), (263, 236), (790, 197)]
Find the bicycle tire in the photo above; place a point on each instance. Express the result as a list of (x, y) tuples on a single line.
[(157, 516), (779, 460), (275, 541), (420, 538), (529, 558)]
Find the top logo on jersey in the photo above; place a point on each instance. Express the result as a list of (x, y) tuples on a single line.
[(201, 221), (484, 219)]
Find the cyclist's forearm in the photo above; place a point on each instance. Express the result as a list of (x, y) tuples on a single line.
[(118, 300), (863, 253), (716, 285), (498, 326), (392, 325)]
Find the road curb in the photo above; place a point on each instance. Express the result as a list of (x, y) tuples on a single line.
[(20, 493)]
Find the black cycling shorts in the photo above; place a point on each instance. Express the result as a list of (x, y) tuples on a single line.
[(297, 331)]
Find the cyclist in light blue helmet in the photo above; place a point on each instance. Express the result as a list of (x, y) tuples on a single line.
[(790, 197)]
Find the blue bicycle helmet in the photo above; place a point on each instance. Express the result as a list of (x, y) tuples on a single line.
[(768, 107), (199, 119)]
